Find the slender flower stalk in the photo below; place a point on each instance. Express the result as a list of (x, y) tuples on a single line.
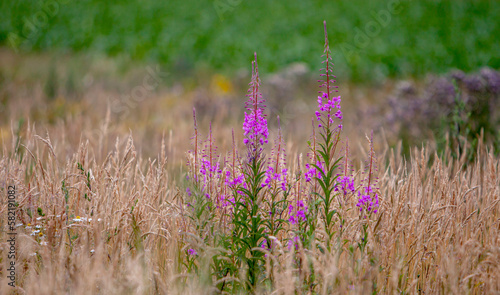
[(346, 180), (234, 178), (329, 118), (276, 187), (193, 155), (255, 123), (210, 169), (276, 173), (368, 200), (250, 218), (329, 105)]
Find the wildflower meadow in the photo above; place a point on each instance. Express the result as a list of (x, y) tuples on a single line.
[(251, 194)]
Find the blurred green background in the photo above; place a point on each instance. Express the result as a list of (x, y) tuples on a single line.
[(419, 37)]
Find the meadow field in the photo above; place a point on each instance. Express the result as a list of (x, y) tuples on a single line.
[(146, 149)]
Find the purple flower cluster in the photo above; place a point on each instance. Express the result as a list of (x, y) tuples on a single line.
[(255, 128), (276, 173), (255, 123), (263, 245), (209, 170), (312, 173), (192, 252), (368, 200), (298, 213), (234, 182), (279, 177), (226, 202), (367, 197), (293, 243), (345, 184), (327, 108)]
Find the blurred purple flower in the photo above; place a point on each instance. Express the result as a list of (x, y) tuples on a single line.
[(293, 243), (297, 213), (442, 91), (312, 172), (492, 79), (473, 83), (346, 184), (368, 200), (457, 75)]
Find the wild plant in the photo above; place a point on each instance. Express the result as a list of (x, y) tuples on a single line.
[(329, 122), (248, 206), (368, 196)]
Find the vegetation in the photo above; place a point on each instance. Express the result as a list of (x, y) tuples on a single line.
[(96, 216)]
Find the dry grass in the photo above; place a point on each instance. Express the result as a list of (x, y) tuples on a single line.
[(437, 233)]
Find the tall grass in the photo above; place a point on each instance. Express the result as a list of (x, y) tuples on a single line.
[(437, 231)]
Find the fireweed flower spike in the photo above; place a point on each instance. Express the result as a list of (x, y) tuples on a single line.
[(195, 141), (192, 160), (329, 119), (209, 167), (329, 105), (250, 215), (276, 172), (255, 123), (346, 180), (367, 196), (233, 176)]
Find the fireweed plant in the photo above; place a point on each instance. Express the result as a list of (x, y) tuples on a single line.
[(247, 209)]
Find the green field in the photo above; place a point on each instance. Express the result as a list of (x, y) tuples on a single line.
[(414, 38)]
